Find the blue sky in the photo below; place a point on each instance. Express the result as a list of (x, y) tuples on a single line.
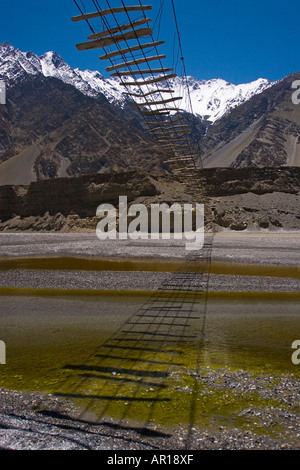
[(237, 40)]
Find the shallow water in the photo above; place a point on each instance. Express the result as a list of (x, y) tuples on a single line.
[(110, 356)]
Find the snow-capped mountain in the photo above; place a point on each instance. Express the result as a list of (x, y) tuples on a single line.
[(211, 99), (91, 83), (14, 64)]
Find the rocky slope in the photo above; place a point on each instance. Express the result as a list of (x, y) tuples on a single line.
[(235, 199), (49, 129), (263, 132)]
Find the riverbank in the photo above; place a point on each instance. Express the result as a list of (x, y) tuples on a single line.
[(201, 357), (33, 421)]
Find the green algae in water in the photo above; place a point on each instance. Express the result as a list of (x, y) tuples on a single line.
[(67, 347)]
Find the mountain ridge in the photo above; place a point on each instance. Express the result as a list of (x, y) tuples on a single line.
[(48, 129), (94, 127), (211, 99), (264, 131)]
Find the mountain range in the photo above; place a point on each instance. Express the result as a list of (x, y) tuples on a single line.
[(60, 121), (262, 132), (211, 99)]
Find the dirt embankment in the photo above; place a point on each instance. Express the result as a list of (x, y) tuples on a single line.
[(235, 199)]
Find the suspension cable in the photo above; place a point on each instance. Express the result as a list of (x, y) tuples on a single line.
[(186, 78), (157, 118)]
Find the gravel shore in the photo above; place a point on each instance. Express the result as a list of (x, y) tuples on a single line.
[(32, 421), (137, 281)]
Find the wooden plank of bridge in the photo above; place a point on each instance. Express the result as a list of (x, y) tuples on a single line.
[(155, 103), (178, 160), (111, 11), (188, 157), (144, 95), (170, 123), (165, 139), (166, 131), (149, 82), (172, 134), (109, 41), (140, 72), (161, 132), (156, 113), (135, 62), (173, 148), (149, 113), (149, 45), (119, 29), (163, 123)]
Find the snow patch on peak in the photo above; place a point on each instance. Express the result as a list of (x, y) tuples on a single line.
[(14, 63), (91, 83), (211, 99)]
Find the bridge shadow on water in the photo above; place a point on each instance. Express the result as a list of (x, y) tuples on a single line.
[(137, 376)]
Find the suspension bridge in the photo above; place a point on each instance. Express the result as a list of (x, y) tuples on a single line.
[(129, 45), (136, 373)]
